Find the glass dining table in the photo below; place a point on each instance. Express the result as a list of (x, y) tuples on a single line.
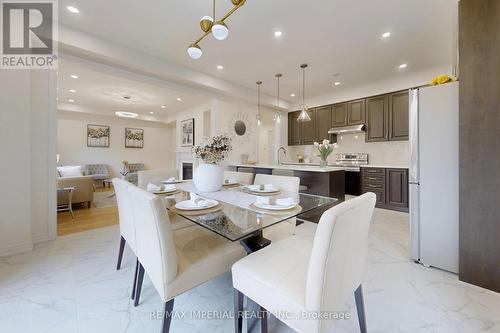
[(236, 218)]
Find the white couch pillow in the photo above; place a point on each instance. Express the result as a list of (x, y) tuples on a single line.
[(70, 171)]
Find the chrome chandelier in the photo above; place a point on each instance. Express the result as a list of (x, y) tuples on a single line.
[(218, 28)]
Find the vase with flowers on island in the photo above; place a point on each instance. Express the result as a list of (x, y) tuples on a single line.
[(325, 149), (209, 176)]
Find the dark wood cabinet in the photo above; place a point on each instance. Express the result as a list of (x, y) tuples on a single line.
[(398, 116), (308, 129), (323, 123), (377, 118), (397, 188), (294, 128), (356, 112), (339, 115), (389, 185)]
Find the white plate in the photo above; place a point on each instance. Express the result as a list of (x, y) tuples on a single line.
[(165, 192), (177, 181), (274, 190), (273, 207), (188, 205)]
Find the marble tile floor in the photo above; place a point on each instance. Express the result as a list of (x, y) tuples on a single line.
[(71, 285)]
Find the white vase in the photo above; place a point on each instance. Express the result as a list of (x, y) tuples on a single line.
[(208, 177)]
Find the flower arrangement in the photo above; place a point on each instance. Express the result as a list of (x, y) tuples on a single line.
[(214, 150), (125, 170), (324, 148)]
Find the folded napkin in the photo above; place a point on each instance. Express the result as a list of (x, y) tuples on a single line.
[(266, 187), (230, 181), (170, 180), (197, 201), (169, 187), (153, 188), (275, 202)]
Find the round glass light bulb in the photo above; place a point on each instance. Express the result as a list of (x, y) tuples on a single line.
[(194, 51), (220, 31)]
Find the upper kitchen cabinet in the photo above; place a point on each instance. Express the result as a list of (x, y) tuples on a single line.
[(294, 133), (356, 112), (323, 122), (339, 115), (377, 118), (309, 129), (398, 116)]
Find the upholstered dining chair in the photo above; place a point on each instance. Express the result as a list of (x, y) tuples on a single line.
[(147, 176), (176, 261), (285, 183), (127, 227), (311, 277), (243, 177)]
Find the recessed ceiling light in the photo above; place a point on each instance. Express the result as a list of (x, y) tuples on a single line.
[(126, 114), (72, 91), (73, 76), (292, 95), (336, 83), (179, 99), (220, 67), (386, 34), (151, 112), (71, 100), (403, 66), (73, 9), (163, 106), (278, 33)]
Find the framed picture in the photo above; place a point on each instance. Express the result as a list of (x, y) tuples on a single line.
[(134, 138), (187, 132), (98, 136)]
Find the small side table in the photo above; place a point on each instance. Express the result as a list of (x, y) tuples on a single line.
[(65, 192), (107, 182)]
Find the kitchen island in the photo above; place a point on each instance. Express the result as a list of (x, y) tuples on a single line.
[(327, 181)]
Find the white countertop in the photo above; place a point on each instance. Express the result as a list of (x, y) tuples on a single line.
[(305, 167), (313, 167)]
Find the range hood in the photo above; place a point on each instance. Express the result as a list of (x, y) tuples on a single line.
[(347, 129)]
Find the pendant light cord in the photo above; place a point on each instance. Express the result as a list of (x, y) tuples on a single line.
[(214, 12), (303, 87)]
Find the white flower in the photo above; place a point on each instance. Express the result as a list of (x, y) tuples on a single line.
[(316, 144), (325, 141)]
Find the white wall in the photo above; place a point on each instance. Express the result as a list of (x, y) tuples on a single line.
[(73, 150), (223, 113), (390, 153), (27, 201)]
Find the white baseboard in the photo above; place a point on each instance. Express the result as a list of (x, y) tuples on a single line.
[(15, 249)]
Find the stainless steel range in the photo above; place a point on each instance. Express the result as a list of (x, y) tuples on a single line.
[(351, 161)]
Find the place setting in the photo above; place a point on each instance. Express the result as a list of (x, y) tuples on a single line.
[(162, 189), (275, 206), (263, 189), (196, 205), (172, 180)]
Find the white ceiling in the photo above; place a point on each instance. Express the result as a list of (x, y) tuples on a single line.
[(333, 36), (100, 90)]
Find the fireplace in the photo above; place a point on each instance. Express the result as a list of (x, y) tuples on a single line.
[(187, 170)]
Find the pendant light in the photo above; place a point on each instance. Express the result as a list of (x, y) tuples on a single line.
[(304, 115), (258, 117), (277, 116)]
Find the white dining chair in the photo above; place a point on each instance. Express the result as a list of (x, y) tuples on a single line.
[(151, 176), (309, 278), (243, 177), (285, 183), (176, 261)]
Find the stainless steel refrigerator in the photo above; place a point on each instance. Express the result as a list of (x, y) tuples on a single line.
[(433, 176)]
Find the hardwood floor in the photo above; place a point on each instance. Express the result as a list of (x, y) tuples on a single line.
[(86, 219)]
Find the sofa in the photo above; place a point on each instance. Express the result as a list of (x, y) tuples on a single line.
[(133, 169), (84, 189), (99, 172)]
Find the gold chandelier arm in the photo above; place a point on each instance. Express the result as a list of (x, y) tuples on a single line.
[(222, 19)]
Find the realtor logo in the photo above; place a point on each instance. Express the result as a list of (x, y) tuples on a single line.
[(28, 34)]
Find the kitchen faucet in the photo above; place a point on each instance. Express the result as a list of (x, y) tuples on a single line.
[(279, 150)]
